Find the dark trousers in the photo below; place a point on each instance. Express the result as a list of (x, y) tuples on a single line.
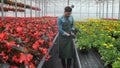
[(66, 63)]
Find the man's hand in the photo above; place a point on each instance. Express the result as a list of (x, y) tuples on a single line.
[(68, 34)]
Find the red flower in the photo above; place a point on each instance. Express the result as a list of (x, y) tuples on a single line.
[(25, 58), (2, 36), (36, 34), (22, 58), (12, 43), (7, 26), (35, 46), (28, 59), (41, 41), (2, 53), (43, 50), (45, 26), (4, 56), (50, 43), (32, 65), (25, 49), (9, 44), (17, 35), (47, 57), (1, 24), (13, 67), (26, 40), (15, 59), (44, 30), (19, 29)]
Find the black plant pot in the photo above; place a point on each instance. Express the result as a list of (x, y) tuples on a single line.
[(95, 49), (8, 66), (109, 65), (84, 51)]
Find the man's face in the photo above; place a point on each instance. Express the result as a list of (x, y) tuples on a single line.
[(67, 14)]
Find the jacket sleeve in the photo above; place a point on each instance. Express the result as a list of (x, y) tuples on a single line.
[(60, 27)]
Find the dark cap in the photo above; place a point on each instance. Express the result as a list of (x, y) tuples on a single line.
[(68, 9)]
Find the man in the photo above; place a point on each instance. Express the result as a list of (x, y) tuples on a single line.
[(66, 48)]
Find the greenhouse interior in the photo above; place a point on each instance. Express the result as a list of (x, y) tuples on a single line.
[(59, 33)]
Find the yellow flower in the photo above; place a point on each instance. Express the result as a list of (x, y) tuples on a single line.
[(109, 36), (118, 58), (107, 47), (113, 39), (102, 34), (110, 29), (104, 44), (115, 31), (111, 45)]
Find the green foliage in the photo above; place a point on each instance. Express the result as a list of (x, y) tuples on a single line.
[(116, 64)]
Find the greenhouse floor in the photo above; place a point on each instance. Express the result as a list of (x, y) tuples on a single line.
[(55, 61), (88, 60)]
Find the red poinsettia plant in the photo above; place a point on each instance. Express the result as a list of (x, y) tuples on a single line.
[(20, 4), (26, 41), (36, 8), (6, 9)]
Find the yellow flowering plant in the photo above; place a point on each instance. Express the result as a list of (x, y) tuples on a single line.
[(101, 34)]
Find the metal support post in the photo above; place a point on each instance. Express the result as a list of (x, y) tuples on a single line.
[(2, 13), (88, 8), (25, 8), (16, 8), (119, 10), (99, 9), (103, 9), (35, 10), (31, 8), (40, 8), (112, 8), (68, 3), (107, 9)]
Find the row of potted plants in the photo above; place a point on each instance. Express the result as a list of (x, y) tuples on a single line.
[(110, 19), (103, 35), (19, 4), (26, 40), (6, 9)]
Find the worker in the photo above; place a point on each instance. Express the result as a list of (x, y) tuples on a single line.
[(65, 27)]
